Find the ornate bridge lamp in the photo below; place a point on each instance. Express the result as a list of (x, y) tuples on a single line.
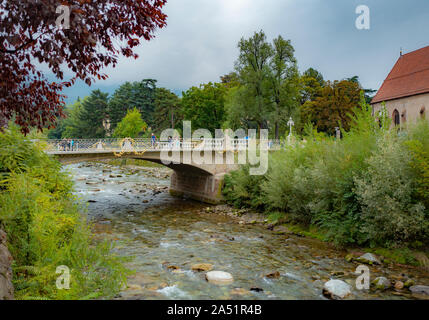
[(290, 124)]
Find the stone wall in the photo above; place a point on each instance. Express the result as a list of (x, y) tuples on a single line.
[(6, 287), (205, 188), (410, 108)]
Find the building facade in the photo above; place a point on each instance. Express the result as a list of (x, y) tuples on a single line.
[(405, 92)]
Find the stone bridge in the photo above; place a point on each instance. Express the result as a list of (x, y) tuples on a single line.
[(192, 177)]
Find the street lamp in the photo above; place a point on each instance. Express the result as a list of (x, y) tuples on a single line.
[(290, 124)]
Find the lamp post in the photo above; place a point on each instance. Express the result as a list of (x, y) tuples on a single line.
[(290, 124)]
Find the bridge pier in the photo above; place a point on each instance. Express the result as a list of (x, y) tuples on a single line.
[(200, 187)]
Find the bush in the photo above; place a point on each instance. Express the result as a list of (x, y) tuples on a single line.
[(46, 229), (371, 187)]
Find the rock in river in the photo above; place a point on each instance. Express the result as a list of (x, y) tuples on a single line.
[(202, 267), (273, 275), (368, 258), (336, 289), (381, 283), (219, 277), (420, 291)]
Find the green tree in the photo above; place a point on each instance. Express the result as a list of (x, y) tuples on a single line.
[(130, 126), (311, 84), (252, 102), (205, 106), (333, 107), (167, 110), (91, 115), (140, 95), (283, 83)]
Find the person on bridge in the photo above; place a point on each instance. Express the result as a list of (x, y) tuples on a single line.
[(153, 140)]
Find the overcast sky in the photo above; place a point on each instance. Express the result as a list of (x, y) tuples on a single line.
[(199, 43)]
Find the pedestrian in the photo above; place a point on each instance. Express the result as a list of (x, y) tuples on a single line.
[(153, 140)]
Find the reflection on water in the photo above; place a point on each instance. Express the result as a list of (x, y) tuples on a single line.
[(166, 236)]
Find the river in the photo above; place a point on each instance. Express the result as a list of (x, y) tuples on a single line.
[(165, 236)]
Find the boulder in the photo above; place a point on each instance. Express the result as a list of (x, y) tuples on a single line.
[(336, 289), (219, 277), (368, 258), (382, 283)]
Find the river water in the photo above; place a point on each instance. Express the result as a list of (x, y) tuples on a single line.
[(165, 236)]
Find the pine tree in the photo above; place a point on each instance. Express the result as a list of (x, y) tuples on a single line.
[(92, 114)]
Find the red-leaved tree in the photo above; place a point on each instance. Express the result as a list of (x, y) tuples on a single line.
[(31, 45)]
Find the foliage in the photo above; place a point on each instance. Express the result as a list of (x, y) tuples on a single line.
[(130, 126), (332, 107), (370, 188), (167, 110), (243, 190), (91, 116), (99, 33), (204, 106), (140, 95), (46, 230)]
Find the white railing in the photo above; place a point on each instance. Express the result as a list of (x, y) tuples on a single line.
[(140, 145)]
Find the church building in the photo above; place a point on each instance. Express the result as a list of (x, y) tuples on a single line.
[(406, 89)]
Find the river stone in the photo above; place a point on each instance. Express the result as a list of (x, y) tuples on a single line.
[(382, 283), (273, 275), (409, 283), (336, 289), (202, 267), (399, 285), (281, 230), (368, 258), (239, 292), (219, 277), (422, 290)]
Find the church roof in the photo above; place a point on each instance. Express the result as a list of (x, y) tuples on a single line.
[(409, 77)]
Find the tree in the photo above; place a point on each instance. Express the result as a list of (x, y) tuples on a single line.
[(332, 108), (100, 31), (283, 82), (204, 106), (167, 110), (140, 95), (253, 69), (311, 83), (131, 125), (230, 80), (91, 115)]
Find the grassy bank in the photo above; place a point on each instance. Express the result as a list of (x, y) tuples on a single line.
[(46, 228), (370, 189)]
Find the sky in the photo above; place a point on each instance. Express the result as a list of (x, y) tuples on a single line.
[(199, 43)]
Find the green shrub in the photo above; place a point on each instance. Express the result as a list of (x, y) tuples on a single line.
[(46, 229), (390, 213)]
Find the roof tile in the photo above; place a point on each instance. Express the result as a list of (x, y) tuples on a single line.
[(409, 76)]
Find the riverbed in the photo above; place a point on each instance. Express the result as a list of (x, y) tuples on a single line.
[(166, 236)]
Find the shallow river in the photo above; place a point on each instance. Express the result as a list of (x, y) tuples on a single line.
[(165, 236)]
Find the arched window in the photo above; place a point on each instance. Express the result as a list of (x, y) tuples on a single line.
[(396, 118), (423, 112)]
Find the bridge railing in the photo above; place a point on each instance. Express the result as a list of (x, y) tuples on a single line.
[(130, 145)]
